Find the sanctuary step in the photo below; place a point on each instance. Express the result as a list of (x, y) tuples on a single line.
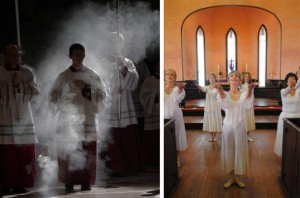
[(266, 113)]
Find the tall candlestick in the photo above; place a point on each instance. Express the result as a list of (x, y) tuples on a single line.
[(246, 68), (218, 68)]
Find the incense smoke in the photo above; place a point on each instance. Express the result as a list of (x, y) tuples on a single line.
[(89, 25)]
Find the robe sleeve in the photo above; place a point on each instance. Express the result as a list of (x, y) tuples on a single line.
[(131, 79), (148, 98), (247, 102), (298, 84), (5, 89), (55, 94), (285, 91), (178, 97), (22, 93), (203, 89), (27, 89), (223, 102), (98, 94)]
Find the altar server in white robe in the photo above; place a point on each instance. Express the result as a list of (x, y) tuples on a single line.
[(149, 97), (17, 131), (234, 153), (212, 121), (78, 96), (123, 150), (290, 97)]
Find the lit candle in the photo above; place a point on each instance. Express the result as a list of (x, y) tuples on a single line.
[(246, 68), (218, 68)]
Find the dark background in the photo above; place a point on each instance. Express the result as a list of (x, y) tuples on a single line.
[(39, 22)]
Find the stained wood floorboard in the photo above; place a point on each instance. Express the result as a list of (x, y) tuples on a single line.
[(201, 175)]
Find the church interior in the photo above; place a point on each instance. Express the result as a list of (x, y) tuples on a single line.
[(199, 38), (197, 42), (44, 30)]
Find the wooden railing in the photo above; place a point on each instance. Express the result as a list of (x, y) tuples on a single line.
[(272, 90)]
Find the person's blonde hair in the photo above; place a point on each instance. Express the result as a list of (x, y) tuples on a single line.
[(236, 73), (212, 74), (243, 77), (172, 71)]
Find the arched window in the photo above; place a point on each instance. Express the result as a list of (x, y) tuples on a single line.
[(200, 57), (262, 56), (231, 51)]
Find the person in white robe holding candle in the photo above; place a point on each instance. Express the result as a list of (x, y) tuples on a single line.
[(234, 153)]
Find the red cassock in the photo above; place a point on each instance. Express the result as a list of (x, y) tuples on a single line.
[(86, 174), (150, 148), (122, 154), (17, 166)]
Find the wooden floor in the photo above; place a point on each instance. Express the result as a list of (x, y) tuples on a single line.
[(144, 184), (201, 175)]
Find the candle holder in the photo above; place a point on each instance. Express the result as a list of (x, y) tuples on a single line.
[(220, 74)]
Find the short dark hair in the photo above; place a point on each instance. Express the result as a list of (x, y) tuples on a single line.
[(75, 46), (290, 75), (8, 46)]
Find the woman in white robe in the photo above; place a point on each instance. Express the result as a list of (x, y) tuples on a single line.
[(173, 96), (250, 118), (212, 121), (290, 97), (234, 154)]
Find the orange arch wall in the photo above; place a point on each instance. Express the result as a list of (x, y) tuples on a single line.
[(215, 23), (182, 18)]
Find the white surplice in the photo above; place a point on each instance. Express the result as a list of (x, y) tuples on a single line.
[(120, 112), (16, 121), (77, 115)]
